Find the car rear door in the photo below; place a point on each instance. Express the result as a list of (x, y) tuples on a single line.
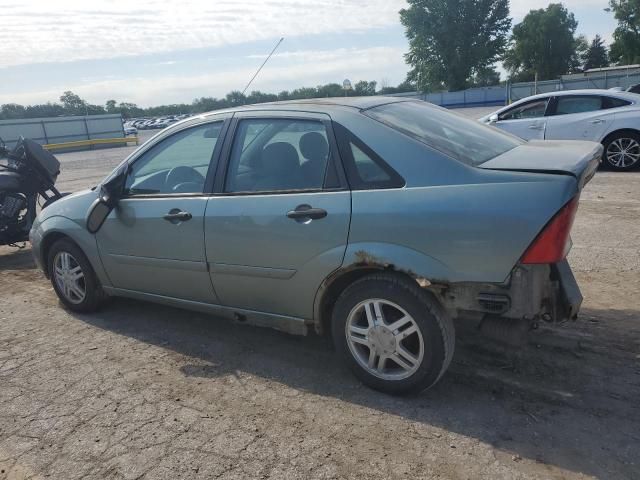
[(578, 117), (278, 222), (153, 241)]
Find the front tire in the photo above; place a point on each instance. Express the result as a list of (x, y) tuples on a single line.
[(622, 151), (394, 336), (73, 278)]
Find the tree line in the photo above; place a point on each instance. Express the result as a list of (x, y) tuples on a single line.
[(72, 104), (456, 44)]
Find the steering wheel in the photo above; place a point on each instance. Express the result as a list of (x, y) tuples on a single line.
[(178, 176)]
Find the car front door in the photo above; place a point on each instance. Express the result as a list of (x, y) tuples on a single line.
[(578, 117), (526, 120), (153, 241), (278, 222)]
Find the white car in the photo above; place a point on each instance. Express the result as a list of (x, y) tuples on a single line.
[(608, 117)]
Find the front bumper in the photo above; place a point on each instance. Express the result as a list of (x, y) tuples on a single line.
[(35, 238)]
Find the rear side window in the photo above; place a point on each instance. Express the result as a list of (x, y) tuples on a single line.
[(365, 169), (578, 104), (610, 102), (461, 138)]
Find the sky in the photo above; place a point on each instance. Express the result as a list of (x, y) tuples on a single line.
[(153, 52)]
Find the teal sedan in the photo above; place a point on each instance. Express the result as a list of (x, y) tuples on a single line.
[(380, 222)]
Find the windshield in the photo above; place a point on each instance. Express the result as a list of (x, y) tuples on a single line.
[(461, 138)]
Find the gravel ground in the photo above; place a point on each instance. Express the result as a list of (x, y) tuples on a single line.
[(144, 391)]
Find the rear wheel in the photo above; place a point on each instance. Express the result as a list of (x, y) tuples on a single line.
[(73, 278), (622, 151), (395, 337)]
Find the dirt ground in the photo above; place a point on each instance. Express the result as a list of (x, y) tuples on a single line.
[(144, 391)]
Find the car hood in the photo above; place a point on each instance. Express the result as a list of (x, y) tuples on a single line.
[(74, 206), (564, 157)]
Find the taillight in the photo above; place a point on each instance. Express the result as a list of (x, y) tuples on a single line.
[(553, 243)]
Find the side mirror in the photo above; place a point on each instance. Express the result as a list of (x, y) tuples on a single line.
[(110, 193), (493, 118)]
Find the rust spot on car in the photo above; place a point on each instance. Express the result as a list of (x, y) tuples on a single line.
[(365, 258)]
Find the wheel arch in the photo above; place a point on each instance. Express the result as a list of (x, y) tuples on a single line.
[(618, 131), (55, 228), (336, 283), (45, 246)]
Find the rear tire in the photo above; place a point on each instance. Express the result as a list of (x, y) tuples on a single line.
[(394, 336), (73, 278), (622, 151)]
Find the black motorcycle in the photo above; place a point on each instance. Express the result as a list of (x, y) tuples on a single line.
[(30, 173)]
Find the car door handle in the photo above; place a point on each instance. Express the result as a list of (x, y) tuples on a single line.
[(535, 127), (177, 215), (306, 212), (597, 121)]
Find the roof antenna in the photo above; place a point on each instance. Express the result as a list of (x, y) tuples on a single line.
[(263, 64)]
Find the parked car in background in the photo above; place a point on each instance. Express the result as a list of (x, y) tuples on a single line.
[(608, 117), (376, 221), (634, 88), (129, 130)]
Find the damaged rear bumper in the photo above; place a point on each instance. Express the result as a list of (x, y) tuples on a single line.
[(532, 292)]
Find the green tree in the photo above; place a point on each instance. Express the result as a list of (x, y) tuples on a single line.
[(485, 77), (364, 88), (625, 49), (72, 103), (11, 111), (329, 90), (110, 106), (544, 43), (596, 55), (450, 39), (235, 98)]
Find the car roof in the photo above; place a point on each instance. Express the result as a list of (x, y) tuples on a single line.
[(320, 105), (632, 97)]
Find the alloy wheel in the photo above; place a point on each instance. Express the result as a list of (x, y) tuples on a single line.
[(384, 339), (69, 277), (623, 153)]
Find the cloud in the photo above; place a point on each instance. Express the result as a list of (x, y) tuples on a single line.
[(306, 70), (68, 30)]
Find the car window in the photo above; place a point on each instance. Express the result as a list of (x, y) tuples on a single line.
[(178, 164), (278, 155), (611, 102), (578, 104), (365, 169), (368, 170), (533, 109), (461, 138)]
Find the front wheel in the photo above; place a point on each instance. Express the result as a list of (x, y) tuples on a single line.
[(622, 151), (73, 278), (395, 336)]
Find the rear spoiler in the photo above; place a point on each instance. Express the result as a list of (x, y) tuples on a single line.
[(567, 157)]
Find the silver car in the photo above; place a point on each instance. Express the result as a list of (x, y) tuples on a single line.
[(377, 221)]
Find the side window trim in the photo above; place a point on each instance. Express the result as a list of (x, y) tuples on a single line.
[(224, 163), (214, 160)]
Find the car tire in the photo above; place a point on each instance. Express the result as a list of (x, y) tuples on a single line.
[(73, 278), (614, 146), (386, 315)]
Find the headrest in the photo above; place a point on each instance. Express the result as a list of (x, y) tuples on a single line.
[(314, 146), (280, 157)]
